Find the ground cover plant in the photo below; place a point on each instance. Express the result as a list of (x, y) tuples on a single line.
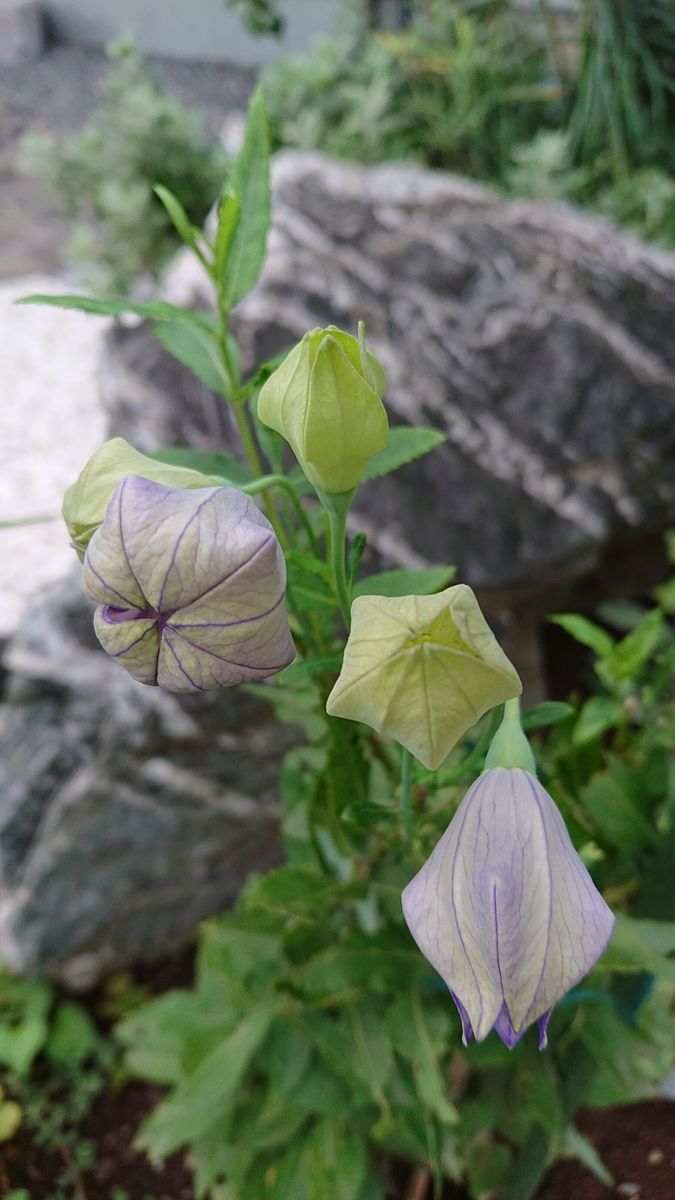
[(103, 177), (320, 1043), (535, 100)]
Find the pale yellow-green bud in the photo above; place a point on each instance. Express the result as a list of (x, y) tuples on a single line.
[(86, 501), (422, 669), (325, 399)]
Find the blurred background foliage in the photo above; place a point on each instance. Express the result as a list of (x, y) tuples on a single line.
[(103, 177), (537, 99)]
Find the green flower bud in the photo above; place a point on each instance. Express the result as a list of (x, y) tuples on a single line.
[(325, 399), (422, 669), (86, 501)]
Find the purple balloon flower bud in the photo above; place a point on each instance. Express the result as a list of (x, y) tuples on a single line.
[(504, 908), (190, 585)]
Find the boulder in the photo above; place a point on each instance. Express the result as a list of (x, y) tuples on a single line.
[(127, 814), (22, 32), (537, 336)]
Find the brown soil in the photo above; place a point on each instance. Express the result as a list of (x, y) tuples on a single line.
[(636, 1143)]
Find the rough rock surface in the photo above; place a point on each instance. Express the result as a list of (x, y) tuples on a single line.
[(539, 337), (127, 814), (21, 32), (50, 422)]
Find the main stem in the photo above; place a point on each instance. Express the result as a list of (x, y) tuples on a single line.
[(238, 404), (337, 517)]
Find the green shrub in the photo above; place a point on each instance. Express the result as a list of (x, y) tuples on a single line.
[(316, 1040), (483, 88), (102, 178)]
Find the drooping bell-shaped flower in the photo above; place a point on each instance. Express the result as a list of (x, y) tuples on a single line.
[(422, 669), (85, 502), (190, 587), (325, 399), (504, 908)]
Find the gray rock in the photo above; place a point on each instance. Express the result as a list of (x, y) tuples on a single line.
[(21, 32), (538, 337), (126, 814)]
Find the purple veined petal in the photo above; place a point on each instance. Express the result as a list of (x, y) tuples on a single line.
[(467, 1031), (191, 587), (504, 908), (108, 576), (134, 643), (543, 1029)]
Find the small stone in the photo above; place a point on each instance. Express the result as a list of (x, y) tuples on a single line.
[(630, 1190), (655, 1157)]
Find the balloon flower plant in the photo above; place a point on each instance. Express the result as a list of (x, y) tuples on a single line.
[(320, 1044)]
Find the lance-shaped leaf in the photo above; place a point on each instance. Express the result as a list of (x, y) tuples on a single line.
[(504, 908), (422, 669), (190, 587)]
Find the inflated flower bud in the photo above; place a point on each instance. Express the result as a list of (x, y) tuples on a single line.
[(422, 669), (190, 587), (504, 908), (325, 399), (86, 501)]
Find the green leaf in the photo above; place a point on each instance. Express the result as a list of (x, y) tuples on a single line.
[(156, 1035), (154, 310), (632, 653), (406, 442), (249, 179), (229, 211), (22, 1040), (311, 564), (405, 583), (73, 1036), (616, 817), (208, 462), (356, 551), (334, 1162), (209, 1093), (420, 1035), (641, 945), (487, 1163), (308, 668), (292, 890), (198, 350), (529, 1167), (177, 215), (549, 712), (665, 594), (586, 632), (576, 1145), (598, 714)]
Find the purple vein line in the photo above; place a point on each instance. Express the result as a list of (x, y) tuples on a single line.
[(230, 662), (121, 533), (176, 625), (225, 578), (172, 563), (181, 668)]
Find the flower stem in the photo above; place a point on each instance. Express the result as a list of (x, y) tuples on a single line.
[(510, 748), (254, 459), (336, 505)]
